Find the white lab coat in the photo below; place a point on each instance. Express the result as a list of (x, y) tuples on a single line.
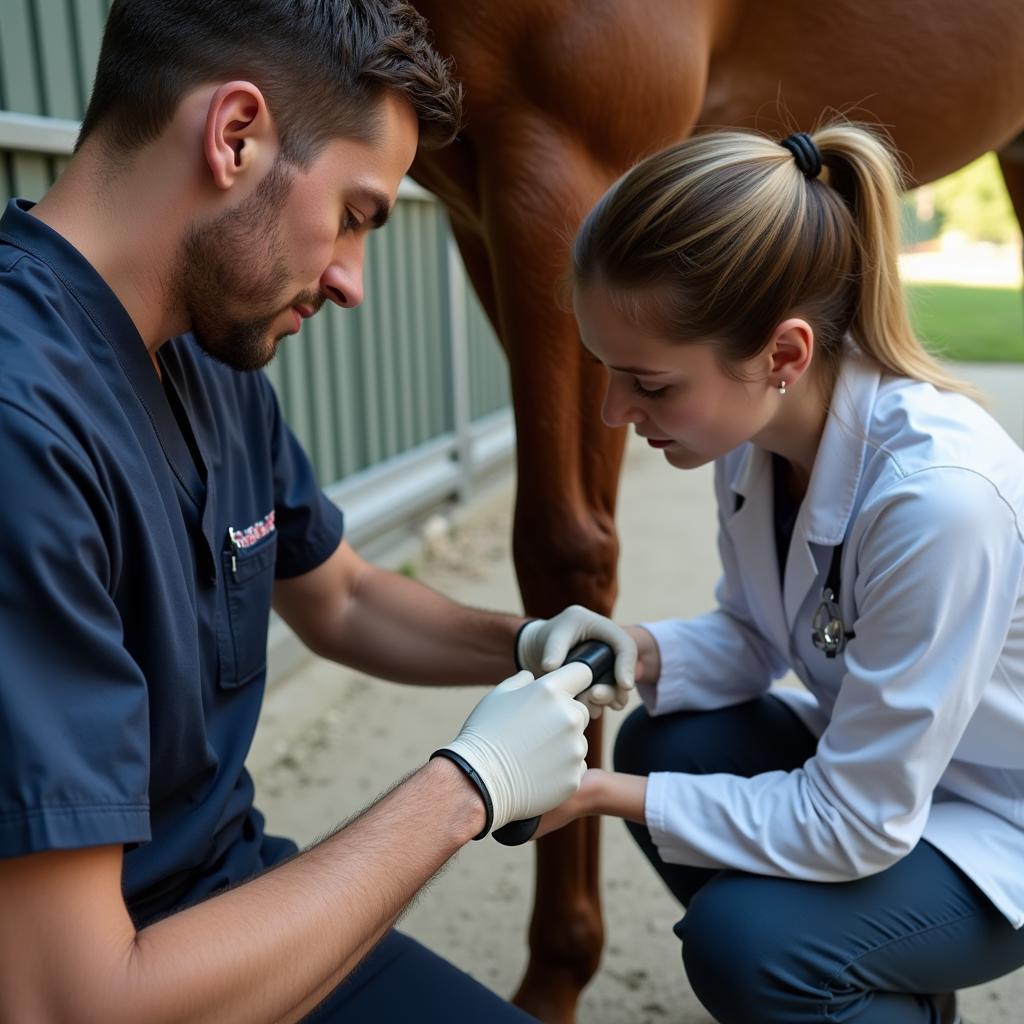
[(921, 719)]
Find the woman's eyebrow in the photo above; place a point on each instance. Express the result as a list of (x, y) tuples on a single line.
[(639, 371)]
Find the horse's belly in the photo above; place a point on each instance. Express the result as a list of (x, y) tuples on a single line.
[(945, 78)]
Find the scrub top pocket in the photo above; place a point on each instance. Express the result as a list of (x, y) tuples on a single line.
[(242, 639)]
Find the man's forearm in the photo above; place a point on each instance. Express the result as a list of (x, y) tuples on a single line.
[(271, 948), (399, 629)]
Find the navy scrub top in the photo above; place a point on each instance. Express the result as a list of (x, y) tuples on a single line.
[(142, 525)]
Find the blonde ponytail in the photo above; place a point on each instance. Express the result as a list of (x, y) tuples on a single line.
[(865, 173), (722, 237)]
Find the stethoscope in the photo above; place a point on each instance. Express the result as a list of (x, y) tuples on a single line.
[(828, 633)]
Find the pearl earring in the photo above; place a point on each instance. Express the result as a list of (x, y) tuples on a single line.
[(782, 387)]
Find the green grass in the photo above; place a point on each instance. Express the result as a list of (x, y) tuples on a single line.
[(970, 324)]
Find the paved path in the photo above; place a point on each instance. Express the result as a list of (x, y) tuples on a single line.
[(979, 265), (331, 740)]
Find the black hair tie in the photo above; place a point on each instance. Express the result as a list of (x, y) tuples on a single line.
[(806, 153)]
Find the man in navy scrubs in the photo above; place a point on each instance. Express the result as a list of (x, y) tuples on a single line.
[(232, 160)]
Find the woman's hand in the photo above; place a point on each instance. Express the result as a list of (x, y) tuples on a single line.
[(600, 792), (648, 657), (543, 644), (580, 805)]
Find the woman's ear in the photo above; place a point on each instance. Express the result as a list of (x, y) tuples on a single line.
[(239, 137), (791, 350)]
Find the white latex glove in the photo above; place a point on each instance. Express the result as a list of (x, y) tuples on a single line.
[(525, 743), (544, 644)]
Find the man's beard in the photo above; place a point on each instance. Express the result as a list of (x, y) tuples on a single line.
[(236, 262)]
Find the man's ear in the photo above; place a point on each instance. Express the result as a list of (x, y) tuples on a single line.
[(791, 349), (239, 136)]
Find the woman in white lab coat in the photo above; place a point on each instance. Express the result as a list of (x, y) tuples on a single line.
[(854, 850)]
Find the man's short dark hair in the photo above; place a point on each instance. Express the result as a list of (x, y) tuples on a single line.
[(322, 65)]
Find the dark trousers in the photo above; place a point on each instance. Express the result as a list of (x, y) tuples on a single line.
[(761, 950), (402, 982)]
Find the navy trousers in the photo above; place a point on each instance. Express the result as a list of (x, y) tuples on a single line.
[(402, 982), (761, 950)]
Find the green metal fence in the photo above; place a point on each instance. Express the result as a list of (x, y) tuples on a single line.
[(410, 386)]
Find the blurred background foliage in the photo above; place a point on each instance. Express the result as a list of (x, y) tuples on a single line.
[(962, 266), (973, 203)]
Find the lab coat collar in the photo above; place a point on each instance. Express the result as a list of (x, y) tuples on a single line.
[(835, 477), (828, 505), (750, 526), (751, 464)]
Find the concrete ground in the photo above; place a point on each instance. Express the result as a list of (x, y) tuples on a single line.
[(331, 740), (979, 264)]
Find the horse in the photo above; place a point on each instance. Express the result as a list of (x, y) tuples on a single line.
[(562, 97)]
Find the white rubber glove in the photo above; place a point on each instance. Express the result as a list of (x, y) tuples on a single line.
[(543, 645), (524, 744)]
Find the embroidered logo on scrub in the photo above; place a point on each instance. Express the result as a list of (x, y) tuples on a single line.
[(252, 534)]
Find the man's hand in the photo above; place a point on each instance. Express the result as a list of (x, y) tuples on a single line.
[(544, 644), (524, 742)]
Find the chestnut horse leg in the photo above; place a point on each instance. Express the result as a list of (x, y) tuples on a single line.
[(566, 551), (576, 565), (1011, 163), (564, 541)]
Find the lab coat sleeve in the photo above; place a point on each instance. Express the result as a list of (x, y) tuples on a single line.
[(714, 660), (940, 560)]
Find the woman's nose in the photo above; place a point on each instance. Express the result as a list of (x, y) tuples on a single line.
[(618, 410)]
